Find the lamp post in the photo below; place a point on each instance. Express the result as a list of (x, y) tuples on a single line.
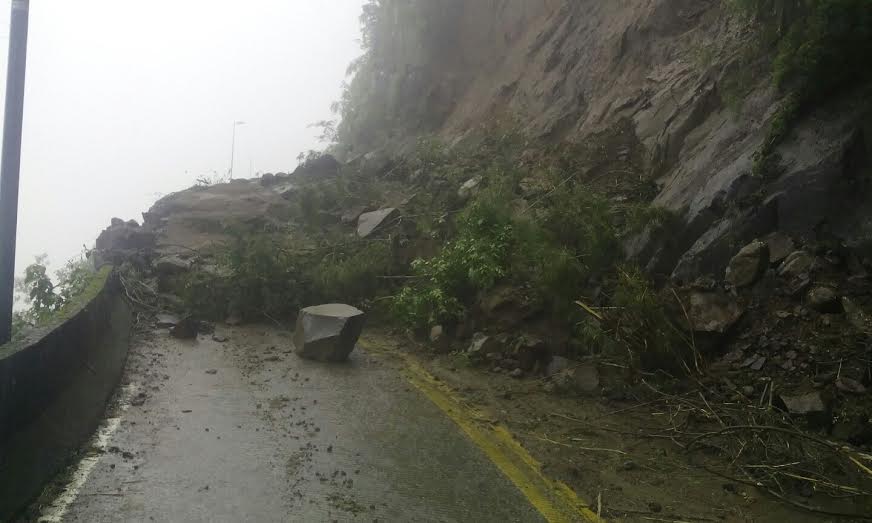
[(10, 164), (233, 146)]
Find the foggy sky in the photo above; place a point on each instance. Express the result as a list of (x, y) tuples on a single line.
[(128, 100)]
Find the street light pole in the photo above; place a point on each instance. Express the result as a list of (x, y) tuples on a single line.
[(10, 164), (233, 146)]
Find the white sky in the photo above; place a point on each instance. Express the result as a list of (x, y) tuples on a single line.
[(128, 100)]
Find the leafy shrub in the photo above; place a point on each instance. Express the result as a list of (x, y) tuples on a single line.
[(475, 260), (352, 276)]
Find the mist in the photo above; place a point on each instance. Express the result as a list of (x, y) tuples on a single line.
[(127, 101)]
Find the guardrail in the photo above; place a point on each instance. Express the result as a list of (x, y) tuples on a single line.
[(54, 386)]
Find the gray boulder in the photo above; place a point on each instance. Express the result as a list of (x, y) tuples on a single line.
[(328, 332), (824, 299), (748, 265), (370, 222), (797, 264), (583, 379), (482, 345), (780, 246), (713, 312), (469, 188), (172, 265)]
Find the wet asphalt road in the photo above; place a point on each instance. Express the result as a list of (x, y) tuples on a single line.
[(246, 431)]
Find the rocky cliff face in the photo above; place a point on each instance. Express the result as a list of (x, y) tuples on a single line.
[(676, 73)]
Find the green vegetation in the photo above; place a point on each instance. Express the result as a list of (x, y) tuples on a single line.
[(556, 244), (270, 275), (822, 48), (48, 302)]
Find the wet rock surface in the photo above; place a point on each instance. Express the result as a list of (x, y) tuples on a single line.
[(328, 332), (370, 223), (748, 265)]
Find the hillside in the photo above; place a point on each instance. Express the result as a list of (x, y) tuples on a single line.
[(660, 205)]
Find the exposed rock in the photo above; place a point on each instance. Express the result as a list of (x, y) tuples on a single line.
[(122, 237), (517, 373), (352, 215), (219, 338), (809, 404), (370, 222), (849, 385), (186, 329), (748, 265), (713, 312), (557, 364), (483, 345), (436, 334), (322, 166), (530, 350), (328, 332), (469, 188), (582, 379), (824, 299), (780, 246), (506, 306), (796, 265), (856, 316), (165, 321), (172, 265)]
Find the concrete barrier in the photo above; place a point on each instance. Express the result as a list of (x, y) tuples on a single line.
[(53, 390)]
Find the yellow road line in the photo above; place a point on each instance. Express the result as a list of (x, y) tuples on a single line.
[(555, 500)]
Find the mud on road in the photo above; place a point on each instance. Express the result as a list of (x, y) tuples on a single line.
[(244, 430)]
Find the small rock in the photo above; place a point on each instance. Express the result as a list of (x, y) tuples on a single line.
[(557, 364), (780, 246), (823, 299), (469, 188), (212, 371), (529, 350), (482, 346), (850, 385), (629, 465), (219, 338), (810, 404), (797, 264), (371, 222), (517, 373), (185, 329), (165, 321), (437, 334), (758, 363), (172, 265), (748, 265), (856, 316), (582, 379), (713, 312), (352, 215)]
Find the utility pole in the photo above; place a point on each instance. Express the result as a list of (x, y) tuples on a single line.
[(233, 146), (10, 164)]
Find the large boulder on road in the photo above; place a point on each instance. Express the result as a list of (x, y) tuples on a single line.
[(328, 332)]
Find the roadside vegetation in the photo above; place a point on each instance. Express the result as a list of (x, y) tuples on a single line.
[(48, 302), (819, 49)]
